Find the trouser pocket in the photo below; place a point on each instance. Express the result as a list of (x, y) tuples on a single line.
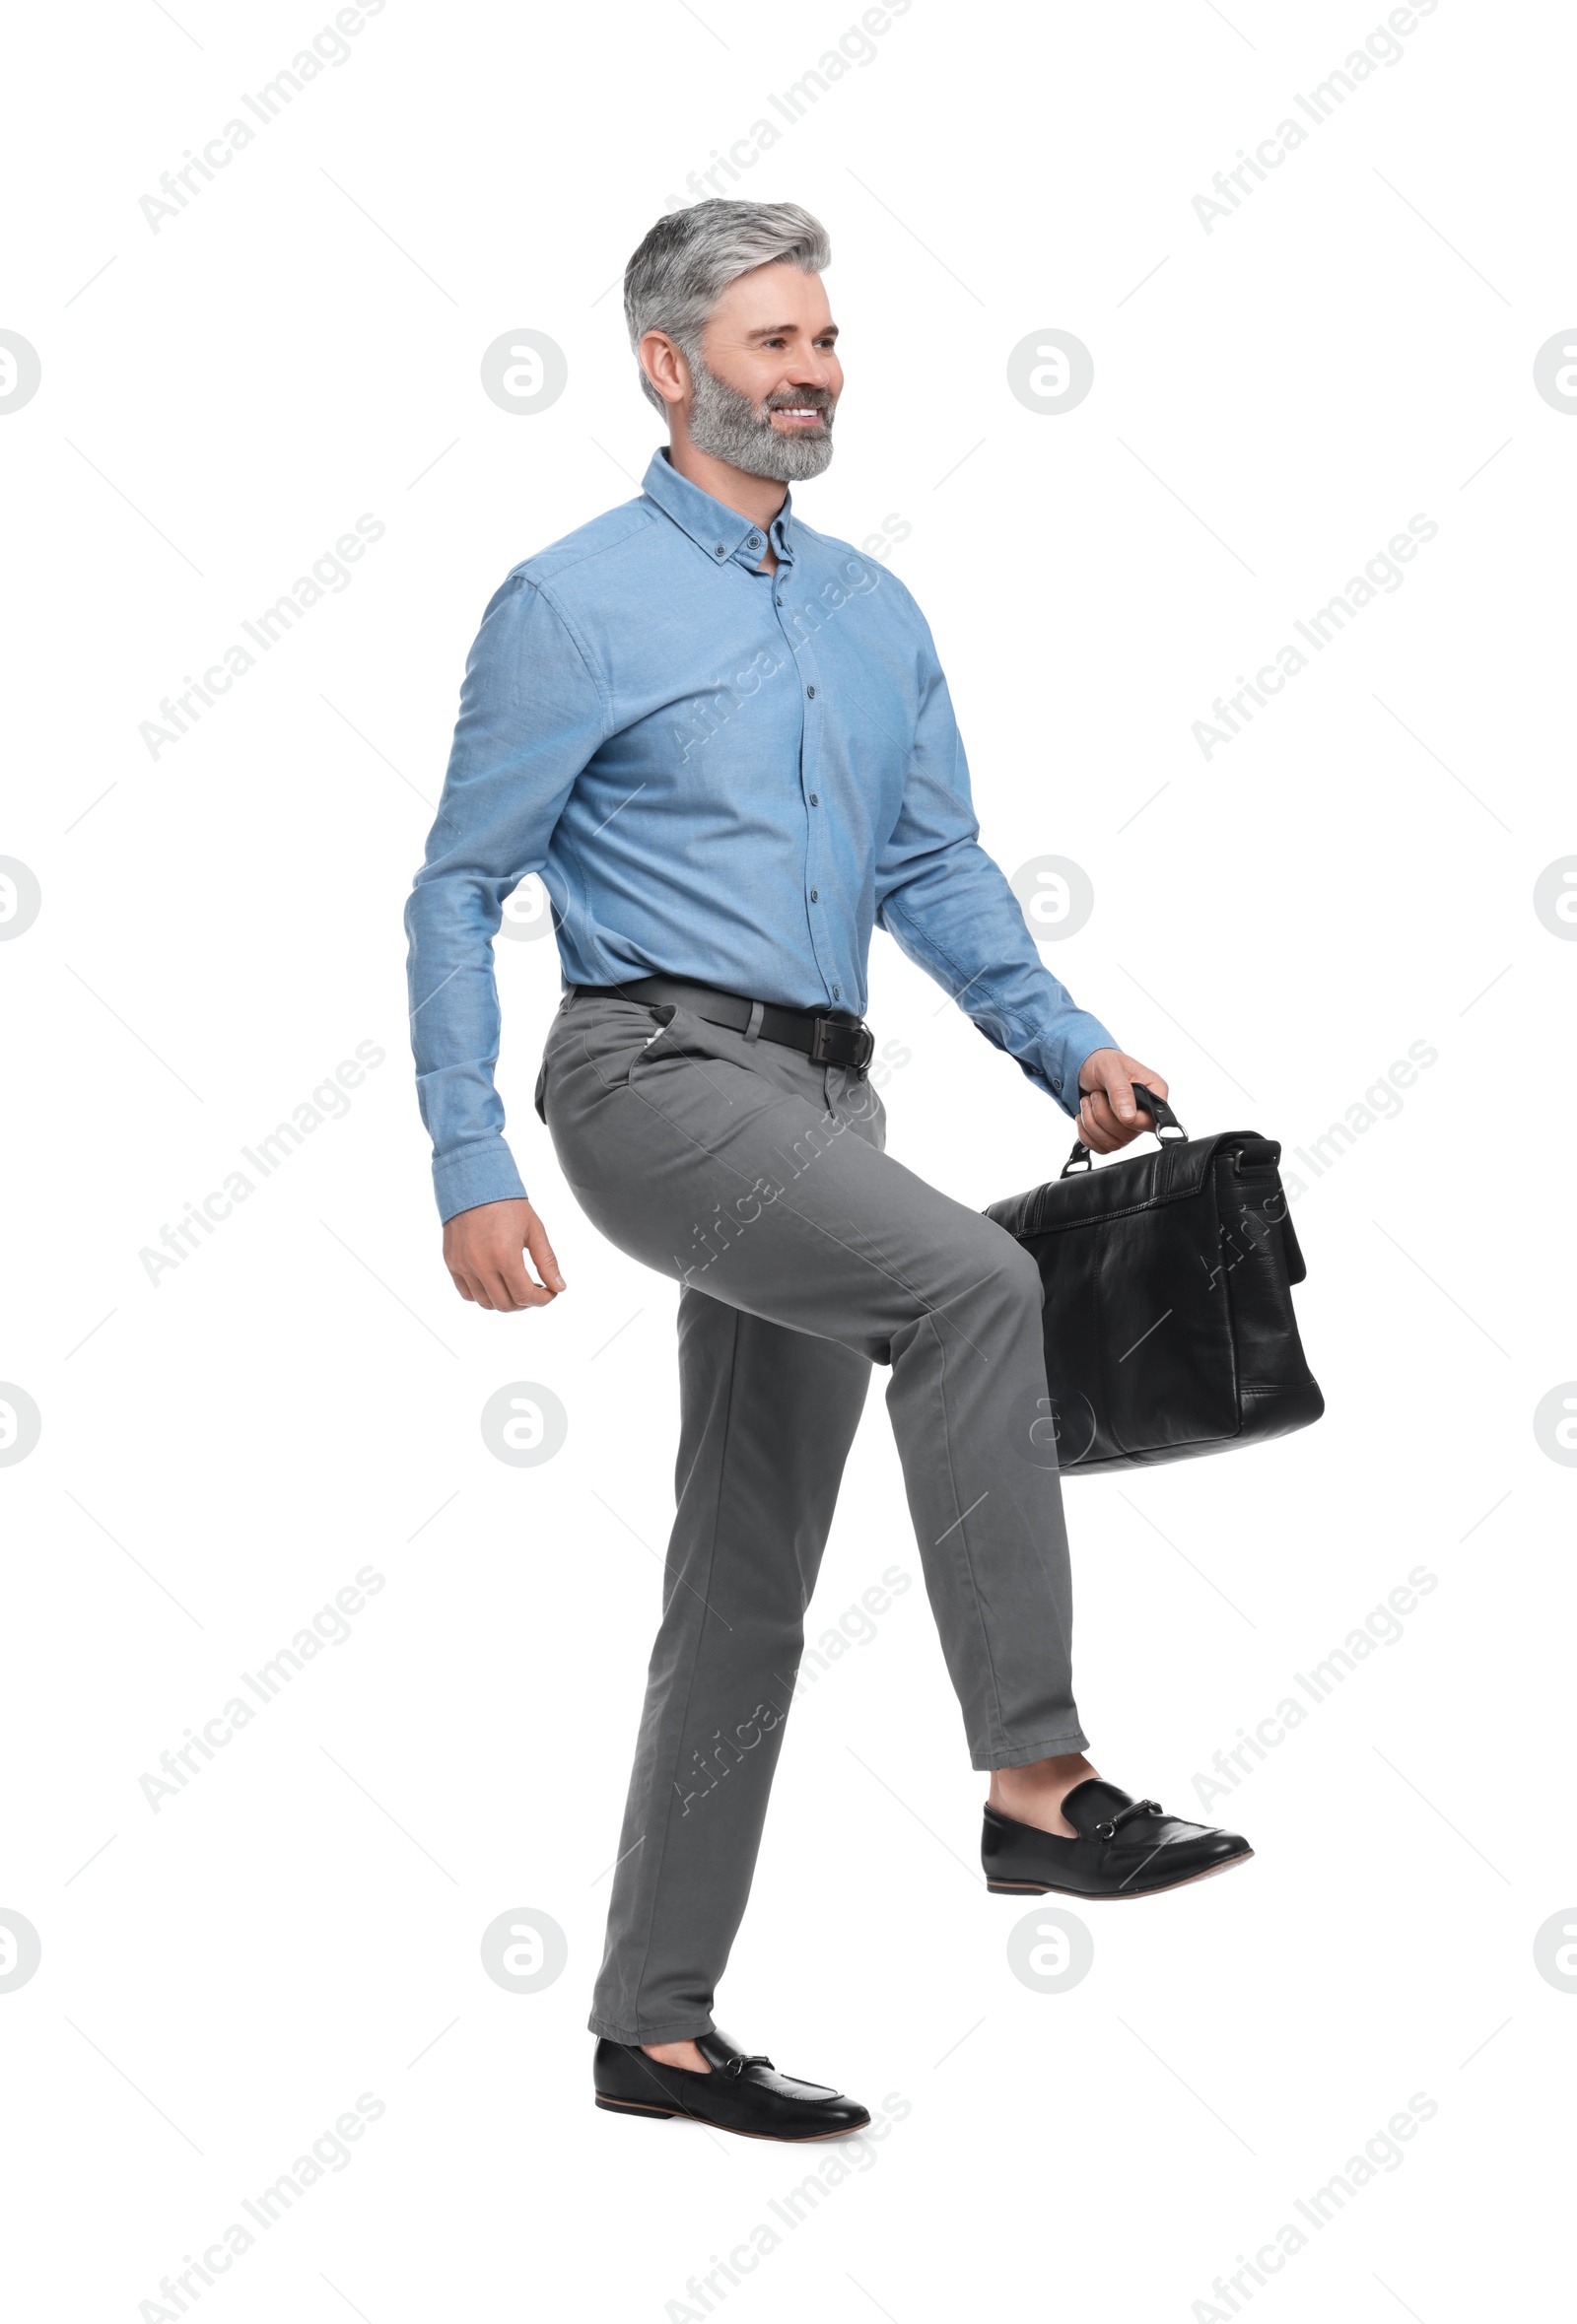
[(540, 1093)]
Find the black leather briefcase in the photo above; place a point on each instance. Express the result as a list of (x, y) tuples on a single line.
[(1168, 1317)]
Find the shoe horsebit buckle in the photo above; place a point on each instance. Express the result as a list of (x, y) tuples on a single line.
[(1109, 1826), (834, 1043)]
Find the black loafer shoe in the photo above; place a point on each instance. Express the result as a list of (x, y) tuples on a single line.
[(1124, 1847), (742, 2093)]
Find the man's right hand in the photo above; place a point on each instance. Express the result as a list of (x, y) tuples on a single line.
[(484, 1251)]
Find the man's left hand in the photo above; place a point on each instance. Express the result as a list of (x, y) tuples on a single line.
[(1109, 1114)]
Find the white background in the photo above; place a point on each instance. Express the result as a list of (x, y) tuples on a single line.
[(220, 926)]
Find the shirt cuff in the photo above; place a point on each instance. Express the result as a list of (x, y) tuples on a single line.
[(484, 1171), (1078, 1037)]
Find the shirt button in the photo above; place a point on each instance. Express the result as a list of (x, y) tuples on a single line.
[(780, 600), (815, 895), (719, 548), (815, 798), (835, 991), (811, 692)]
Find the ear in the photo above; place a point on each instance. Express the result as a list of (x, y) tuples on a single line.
[(665, 365)]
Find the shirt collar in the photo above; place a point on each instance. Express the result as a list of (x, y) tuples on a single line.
[(720, 532)]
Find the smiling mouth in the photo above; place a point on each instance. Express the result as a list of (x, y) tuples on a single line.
[(799, 415)]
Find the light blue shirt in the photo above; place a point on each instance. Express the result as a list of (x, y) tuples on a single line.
[(721, 774)]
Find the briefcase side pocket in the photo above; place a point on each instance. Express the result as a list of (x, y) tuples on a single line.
[(1296, 1269), (1259, 1249)]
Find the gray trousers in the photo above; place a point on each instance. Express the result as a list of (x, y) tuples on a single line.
[(806, 1255)]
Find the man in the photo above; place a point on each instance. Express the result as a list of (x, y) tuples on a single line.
[(726, 744)]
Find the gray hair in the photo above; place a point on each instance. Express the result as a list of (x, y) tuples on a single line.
[(690, 257)]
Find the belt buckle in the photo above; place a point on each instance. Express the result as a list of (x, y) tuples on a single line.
[(864, 1039)]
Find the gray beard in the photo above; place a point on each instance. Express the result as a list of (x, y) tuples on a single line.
[(727, 426)]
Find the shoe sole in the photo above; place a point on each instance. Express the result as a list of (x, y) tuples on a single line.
[(672, 2114), (1111, 1895)]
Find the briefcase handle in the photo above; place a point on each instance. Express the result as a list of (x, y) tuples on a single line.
[(1160, 1114)]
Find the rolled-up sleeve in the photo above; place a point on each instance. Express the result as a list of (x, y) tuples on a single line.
[(948, 905), (531, 715)]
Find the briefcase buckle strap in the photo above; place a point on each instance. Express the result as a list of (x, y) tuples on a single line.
[(834, 1043)]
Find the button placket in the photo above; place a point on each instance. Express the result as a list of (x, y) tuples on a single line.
[(811, 696), (817, 839)]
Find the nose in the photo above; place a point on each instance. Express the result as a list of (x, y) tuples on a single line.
[(812, 369)]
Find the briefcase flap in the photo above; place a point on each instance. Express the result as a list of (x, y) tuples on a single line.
[(1171, 1173)]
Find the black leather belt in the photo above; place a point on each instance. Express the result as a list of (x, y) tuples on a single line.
[(831, 1037)]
